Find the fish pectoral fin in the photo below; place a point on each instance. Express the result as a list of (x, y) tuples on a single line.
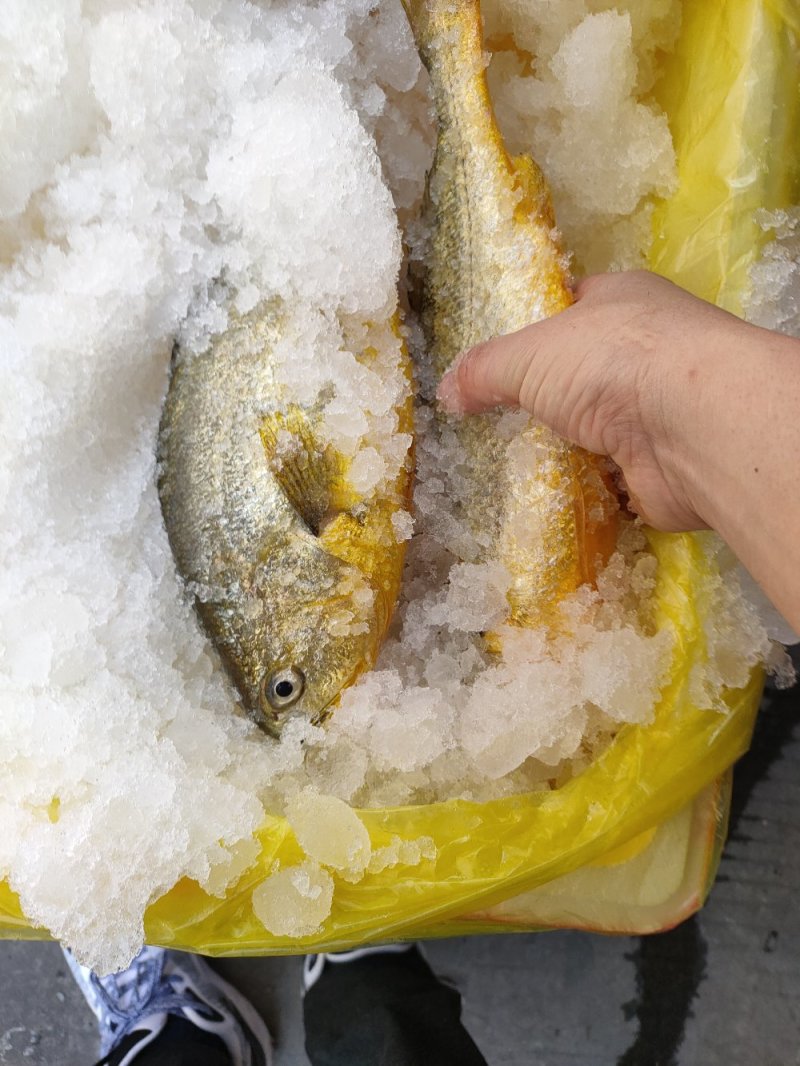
[(306, 469), (344, 536)]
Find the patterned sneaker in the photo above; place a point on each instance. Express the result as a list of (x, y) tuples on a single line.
[(132, 1006)]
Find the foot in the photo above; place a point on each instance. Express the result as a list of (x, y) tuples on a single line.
[(313, 965), (385, 1004), (132, 1006)]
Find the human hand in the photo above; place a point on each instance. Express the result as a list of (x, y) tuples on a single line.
[(619, 373), (697, 408)]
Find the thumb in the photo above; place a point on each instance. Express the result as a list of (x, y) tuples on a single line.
[(505, 370)]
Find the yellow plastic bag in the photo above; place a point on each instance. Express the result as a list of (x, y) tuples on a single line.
[(735, 60)]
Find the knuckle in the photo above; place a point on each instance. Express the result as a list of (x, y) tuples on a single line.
[(594, 285), (587, 285), (530, 377)]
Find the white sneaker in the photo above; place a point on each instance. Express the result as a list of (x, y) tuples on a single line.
[(159, 983)]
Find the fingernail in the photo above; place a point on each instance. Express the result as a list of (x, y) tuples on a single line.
[(449, 395)]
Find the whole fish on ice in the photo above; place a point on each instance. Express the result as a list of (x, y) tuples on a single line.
[(295, 574), (492, 265)]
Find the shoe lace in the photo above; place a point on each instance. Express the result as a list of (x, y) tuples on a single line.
[(141, 991)]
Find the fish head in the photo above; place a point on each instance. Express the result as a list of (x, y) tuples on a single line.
[(313, 640)]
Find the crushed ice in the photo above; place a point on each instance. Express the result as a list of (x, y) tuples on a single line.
[(185, 150)]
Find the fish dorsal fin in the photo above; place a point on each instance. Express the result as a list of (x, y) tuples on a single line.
[(305, 468)]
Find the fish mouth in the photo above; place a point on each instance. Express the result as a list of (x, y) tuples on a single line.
[(325, 712), (268, 721), (371, 650), (273, 721)]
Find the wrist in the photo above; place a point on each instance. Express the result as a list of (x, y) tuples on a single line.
[(720, 412), (681, 391)]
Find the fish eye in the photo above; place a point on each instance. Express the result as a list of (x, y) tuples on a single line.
[(283, 687)]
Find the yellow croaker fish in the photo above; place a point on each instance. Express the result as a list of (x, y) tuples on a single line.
[(493, 264), (295, 574)]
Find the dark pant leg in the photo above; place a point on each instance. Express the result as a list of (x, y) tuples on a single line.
[(179, 1044), (386, 1010)]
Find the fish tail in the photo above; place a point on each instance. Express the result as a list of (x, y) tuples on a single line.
[(446, 31), (449, 38)]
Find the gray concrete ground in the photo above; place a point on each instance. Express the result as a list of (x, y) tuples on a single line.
[(722, 990)]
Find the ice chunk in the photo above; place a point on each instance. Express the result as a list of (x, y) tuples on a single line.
[(367, 471), (774, 299), (593, 64), (45, 74), (570, 85), (294, 901), (399, 852), (330, 832), (476, 596), (735, 636), (403, 525), (776, 626)]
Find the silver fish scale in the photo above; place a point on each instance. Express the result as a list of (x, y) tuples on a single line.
[(264, 585)]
